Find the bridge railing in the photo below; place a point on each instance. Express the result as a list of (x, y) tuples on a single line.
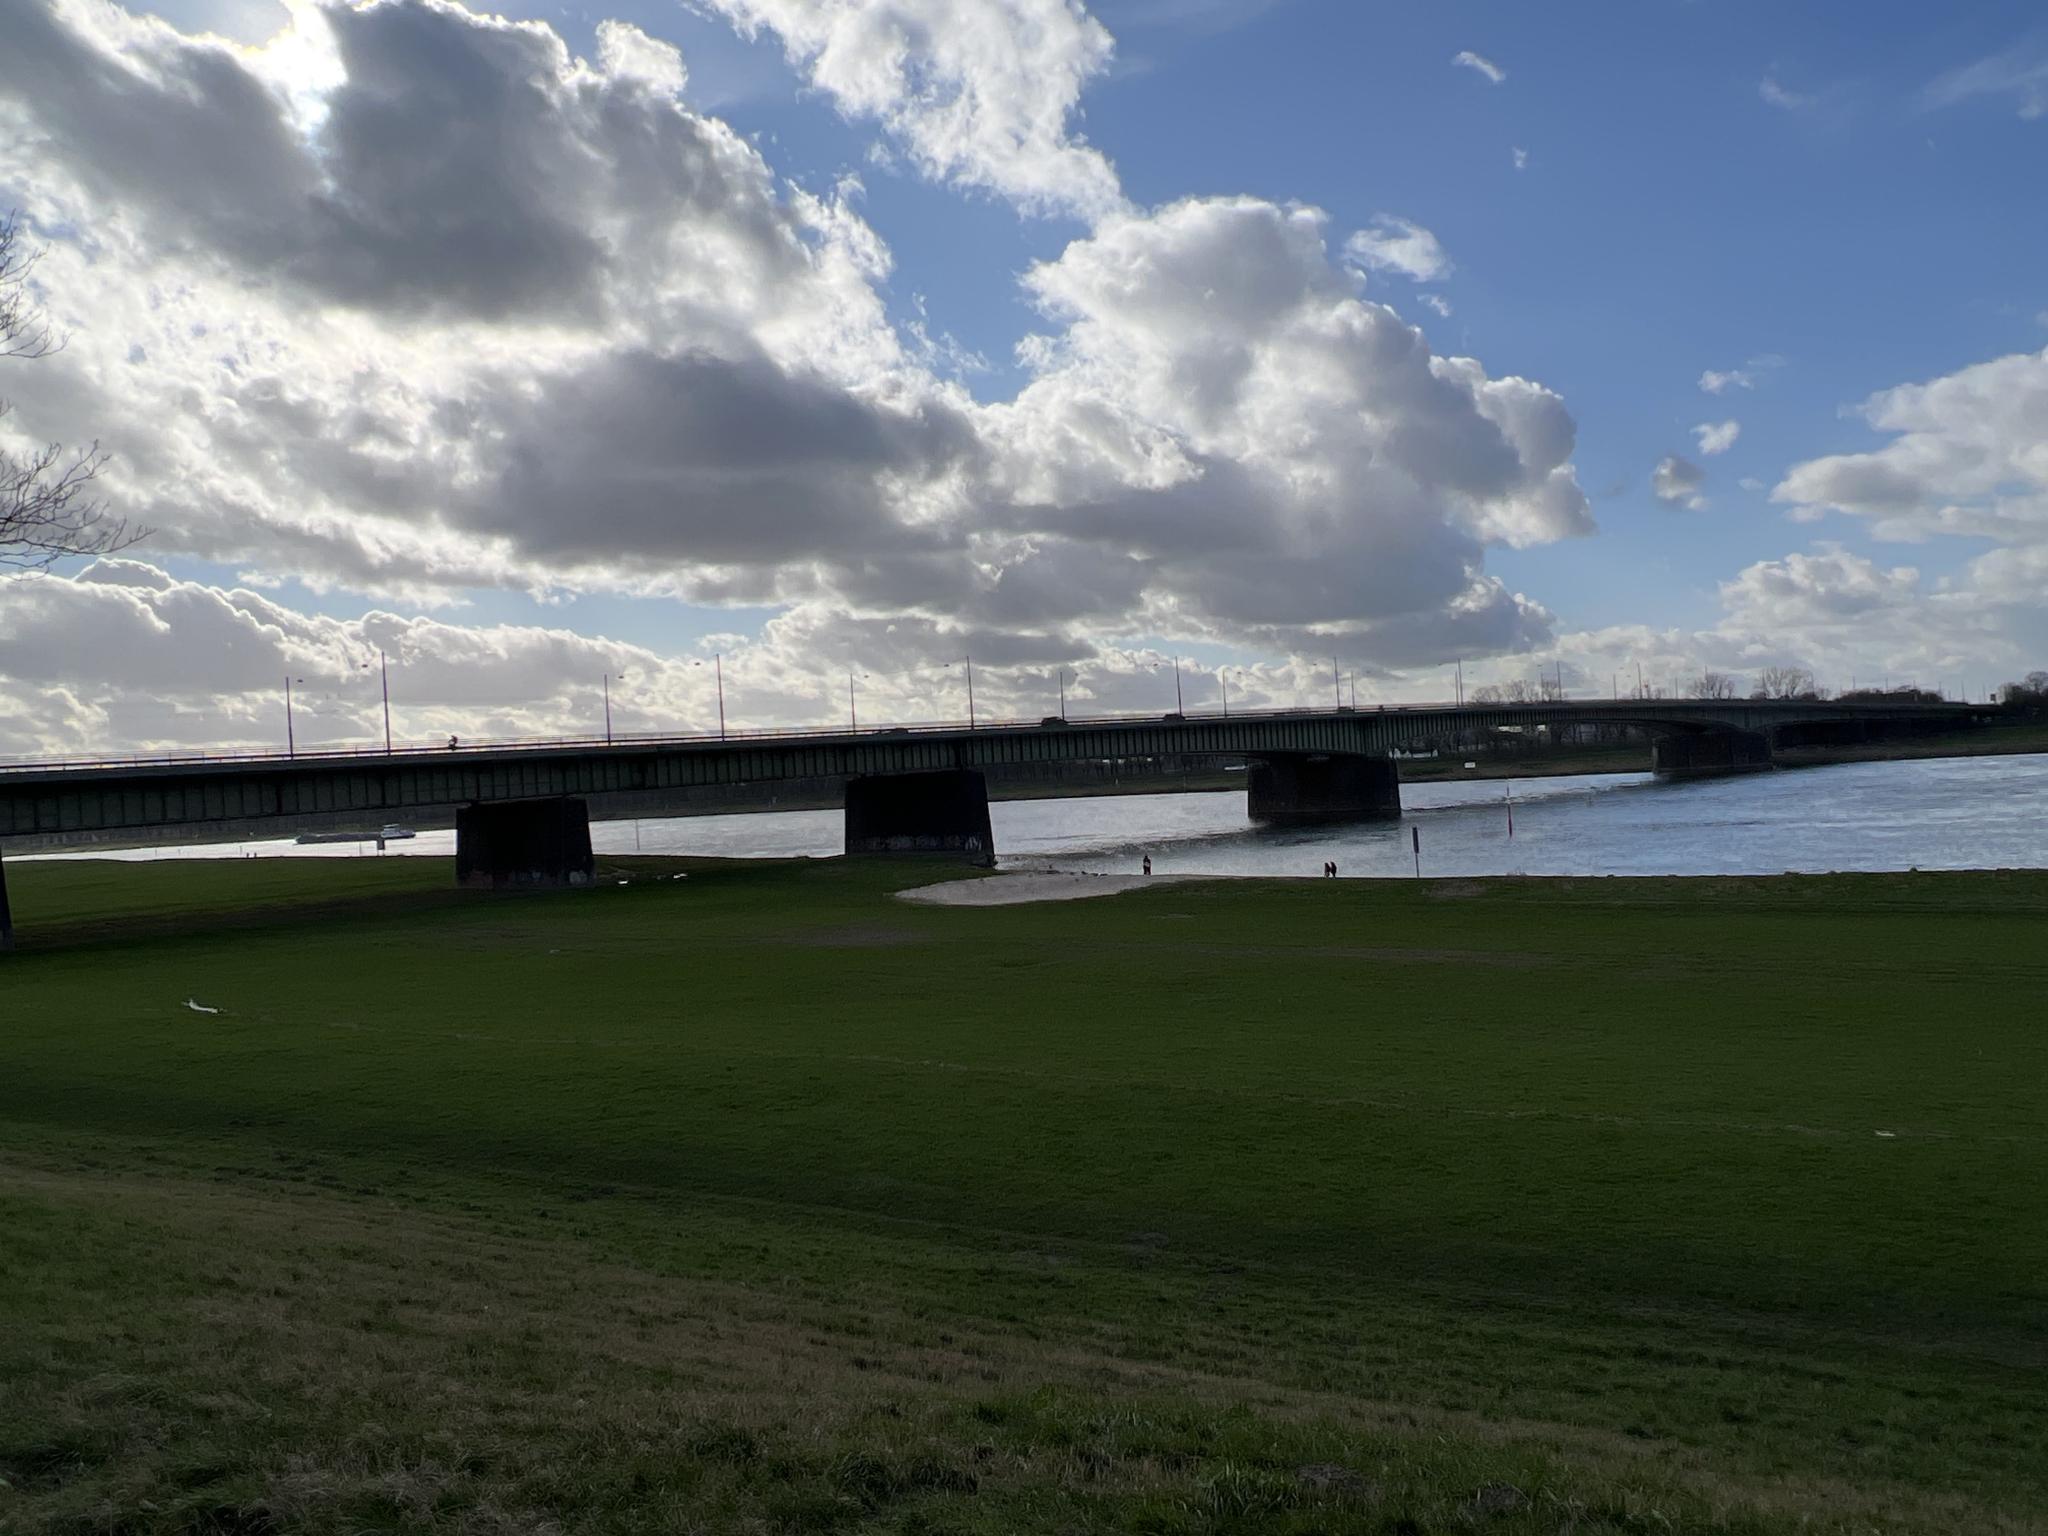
[(326, 752)]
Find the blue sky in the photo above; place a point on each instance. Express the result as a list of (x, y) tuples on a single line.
[(1828, 200)]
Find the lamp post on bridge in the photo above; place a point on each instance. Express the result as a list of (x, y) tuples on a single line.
[(1178, 707), (384, 673), (968, 662), (291, 745), (718, 671), (621, 676)]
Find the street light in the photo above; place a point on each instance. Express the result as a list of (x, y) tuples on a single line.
[(718, 671), (969, 661), (291, 746), (621, 676), (1063, 693), (1178, 708), (947, 666), (384, 671), (853, 713)]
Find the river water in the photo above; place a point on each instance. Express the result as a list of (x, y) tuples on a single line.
[(1942, 813)]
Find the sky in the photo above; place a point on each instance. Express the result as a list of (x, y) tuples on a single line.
[(823, 344)]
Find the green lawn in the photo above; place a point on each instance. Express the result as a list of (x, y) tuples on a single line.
[(758, 1200)]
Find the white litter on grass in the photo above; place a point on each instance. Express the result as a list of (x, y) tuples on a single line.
[(199, 1007), (1887, 1135)]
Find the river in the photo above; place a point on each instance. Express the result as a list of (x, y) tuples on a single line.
[(1938, 813)]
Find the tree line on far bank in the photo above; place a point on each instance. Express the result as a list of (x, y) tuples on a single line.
[(2028, 696)]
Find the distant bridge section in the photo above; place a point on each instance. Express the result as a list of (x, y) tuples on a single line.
[(1305, 765)]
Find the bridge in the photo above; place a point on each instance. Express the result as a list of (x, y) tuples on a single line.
[(522, 810)]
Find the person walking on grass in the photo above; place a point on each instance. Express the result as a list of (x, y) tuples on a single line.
[(1148, 863)]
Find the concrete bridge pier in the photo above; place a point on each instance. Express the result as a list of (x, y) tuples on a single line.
[(1308, 788), (1709, 754), (6, 917), (943, 812), (523, 844)]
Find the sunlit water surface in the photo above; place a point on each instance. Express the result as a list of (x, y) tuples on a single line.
[(1950, 813)]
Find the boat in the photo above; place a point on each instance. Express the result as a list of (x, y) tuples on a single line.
[(392, 832)]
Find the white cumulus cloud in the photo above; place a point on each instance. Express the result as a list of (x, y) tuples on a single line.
[(1480, 64), (977, 92), (1717, 436), (1968, 455), (1782, 98), (2020, 72), (1391, 244), (1846, 618)]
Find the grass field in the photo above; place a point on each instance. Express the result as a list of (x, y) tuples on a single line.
[(760, 1201)]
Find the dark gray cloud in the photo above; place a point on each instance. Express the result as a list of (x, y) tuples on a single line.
[(707, 460), (1676, 481)]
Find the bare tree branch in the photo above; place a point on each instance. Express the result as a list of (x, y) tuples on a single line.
[(1784, 683), (47, 511), (23, 332)]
